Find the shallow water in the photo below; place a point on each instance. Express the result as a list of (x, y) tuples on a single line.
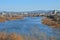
[(27, 25)]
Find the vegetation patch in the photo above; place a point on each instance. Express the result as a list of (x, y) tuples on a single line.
[(51, 22), (4, 18)]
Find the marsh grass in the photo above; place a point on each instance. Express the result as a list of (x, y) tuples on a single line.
[(12, 36), (51, 23), (36, 34)]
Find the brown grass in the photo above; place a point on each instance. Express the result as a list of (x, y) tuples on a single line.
[(14, 18), (51, 23), (3, 19), (35, 35), (12, 36)]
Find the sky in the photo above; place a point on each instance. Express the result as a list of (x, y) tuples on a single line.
[(29, 5)]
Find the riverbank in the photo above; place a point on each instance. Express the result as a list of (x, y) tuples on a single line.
[(14, 36), (11, 36), (51, 22), (4, 18)]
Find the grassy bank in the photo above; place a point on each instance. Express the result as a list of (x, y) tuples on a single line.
[(36, 34), (12, 36), (51, 22), (4, 18)]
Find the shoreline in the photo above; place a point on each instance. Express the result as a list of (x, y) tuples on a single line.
[(50, 22), (11, 36), (3, 19)]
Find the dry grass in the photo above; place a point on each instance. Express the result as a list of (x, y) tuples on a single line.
[(12, 36), (35, 35), (51, 23), (3, 19), (16, 17)]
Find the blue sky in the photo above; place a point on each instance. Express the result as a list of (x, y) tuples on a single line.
[(29, 5)]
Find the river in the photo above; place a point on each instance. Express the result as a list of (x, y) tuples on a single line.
[(29, 25)]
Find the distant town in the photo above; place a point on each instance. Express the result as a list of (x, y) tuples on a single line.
[(31, 13), (18, 15)]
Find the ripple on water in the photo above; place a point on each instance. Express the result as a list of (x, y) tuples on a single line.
[(28, 26)]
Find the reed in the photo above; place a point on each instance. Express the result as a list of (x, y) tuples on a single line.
[(12, 36), (51, 22), (36, 34)]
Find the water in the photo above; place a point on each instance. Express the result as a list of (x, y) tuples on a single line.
[(27, 25)]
